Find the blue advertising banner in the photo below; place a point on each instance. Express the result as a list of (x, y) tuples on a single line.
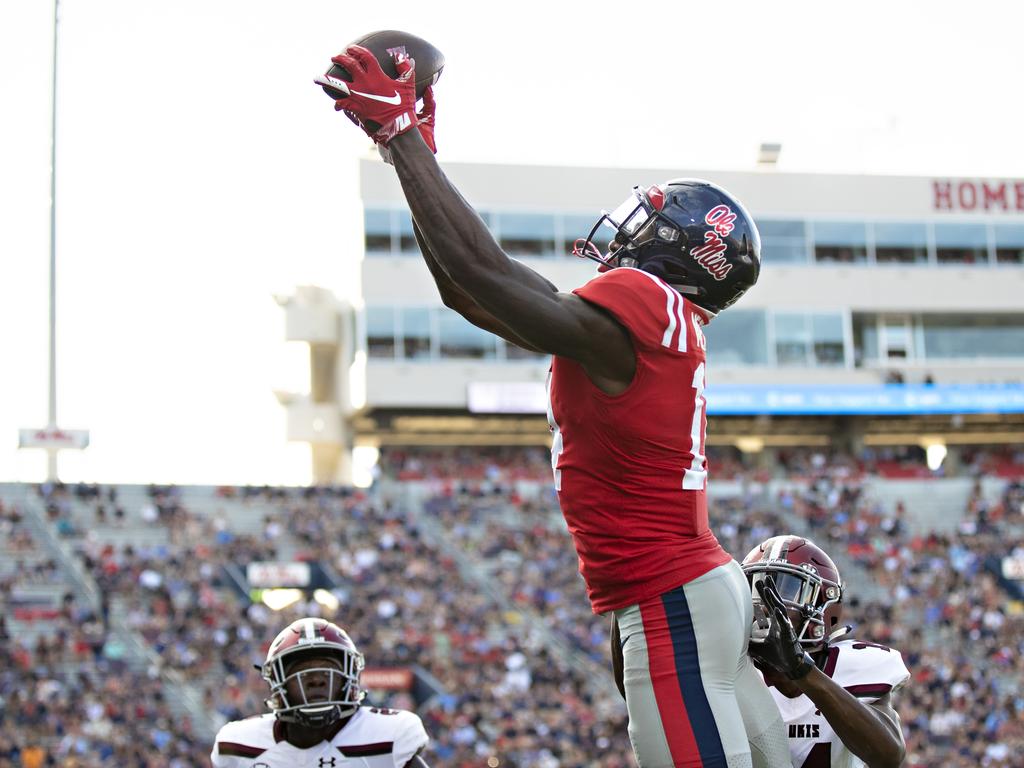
[(893, 399)]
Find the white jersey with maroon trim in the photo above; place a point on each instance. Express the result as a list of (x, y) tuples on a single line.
[(372, 738), (866, 670)]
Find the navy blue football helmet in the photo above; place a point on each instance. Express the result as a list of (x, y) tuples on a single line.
[(690, 233)]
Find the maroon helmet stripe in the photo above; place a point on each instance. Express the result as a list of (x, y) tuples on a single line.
[(870, 689), (233, 749), (367, 750)]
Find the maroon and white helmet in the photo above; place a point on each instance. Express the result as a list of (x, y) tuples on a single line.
[(313, 638), (808, 582)]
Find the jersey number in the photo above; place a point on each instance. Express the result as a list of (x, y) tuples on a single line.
[(820, 756), (695, 476)]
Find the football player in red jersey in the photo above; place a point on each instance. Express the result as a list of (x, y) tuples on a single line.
[(316, 710), (627, 413), (834, 692)]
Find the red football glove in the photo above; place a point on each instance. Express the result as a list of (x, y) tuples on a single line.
[(425, 118), (375, 97)]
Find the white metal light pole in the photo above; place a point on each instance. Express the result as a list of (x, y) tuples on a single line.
[(51, 417), (51, 438)]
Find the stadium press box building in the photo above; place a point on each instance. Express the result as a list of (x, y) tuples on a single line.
[(889, 311)]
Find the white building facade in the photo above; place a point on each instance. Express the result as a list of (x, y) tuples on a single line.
[(865, 280)]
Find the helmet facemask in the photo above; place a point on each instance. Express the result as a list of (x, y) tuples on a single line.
[(636, 222), (807, 596), (639, 222), (315, 706)]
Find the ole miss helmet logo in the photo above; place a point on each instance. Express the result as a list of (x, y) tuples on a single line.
[(711, 255)]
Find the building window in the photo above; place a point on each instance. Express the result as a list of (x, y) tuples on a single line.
[(416, 332), (898, 243), (515, 352), (783, 242), (840, 242), (380, 332), (527, 234), (958, 337), (827, 338), (961, 243), (377, 228), (406, 239), (460, 338), (809, 339), (576, 227), (792, 339), (1009, 243), (738, 337)]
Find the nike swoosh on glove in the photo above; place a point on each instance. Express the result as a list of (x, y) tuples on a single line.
[(374, 99)]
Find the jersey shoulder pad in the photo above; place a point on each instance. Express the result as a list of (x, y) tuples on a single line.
[(653, 312), (868, 670), (380, 731), (245, 739)]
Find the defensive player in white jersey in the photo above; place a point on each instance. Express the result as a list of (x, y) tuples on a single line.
[(835, 692), (317, 719)]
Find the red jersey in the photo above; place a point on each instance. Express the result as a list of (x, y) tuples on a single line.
[(630, 469)]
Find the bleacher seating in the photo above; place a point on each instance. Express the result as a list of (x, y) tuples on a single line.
[(459, 566)]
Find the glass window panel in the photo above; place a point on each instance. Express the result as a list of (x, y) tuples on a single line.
[(513, 352), (774, 251), (416, 332), (972, 336), (961, 243), (773, 228), (738, 337), (865, 340), (460, 338), (840, 241), (1009, 243), (900, 243), (406, 239), (527, 234), (827, 333), (792, 339), (783, 241), (377, 226), (380, 331), (575, 227)]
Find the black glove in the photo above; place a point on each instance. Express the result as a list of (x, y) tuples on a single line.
[(779, 649)]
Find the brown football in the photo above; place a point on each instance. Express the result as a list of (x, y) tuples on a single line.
[(429, 60)]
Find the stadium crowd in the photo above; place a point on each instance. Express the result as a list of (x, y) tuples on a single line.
[(406, 602)]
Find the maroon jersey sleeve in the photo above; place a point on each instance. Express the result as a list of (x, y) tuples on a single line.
[(654, 313)]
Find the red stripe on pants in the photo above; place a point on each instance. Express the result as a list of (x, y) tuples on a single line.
[(661, 657)]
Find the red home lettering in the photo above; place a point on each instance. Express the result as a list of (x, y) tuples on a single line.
[(994, 195), (1018, 189), (967, 195), (943, 195)]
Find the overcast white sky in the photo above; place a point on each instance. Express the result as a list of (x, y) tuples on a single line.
[(200, 171)]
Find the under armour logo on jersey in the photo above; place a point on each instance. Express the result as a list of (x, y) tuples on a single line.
[(325, 761)]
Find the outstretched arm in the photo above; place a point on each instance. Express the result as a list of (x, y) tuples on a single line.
[(457, 299), (518, 298), (509, 292)]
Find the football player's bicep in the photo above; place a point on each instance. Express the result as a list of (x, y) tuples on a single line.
[(884, 711)]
